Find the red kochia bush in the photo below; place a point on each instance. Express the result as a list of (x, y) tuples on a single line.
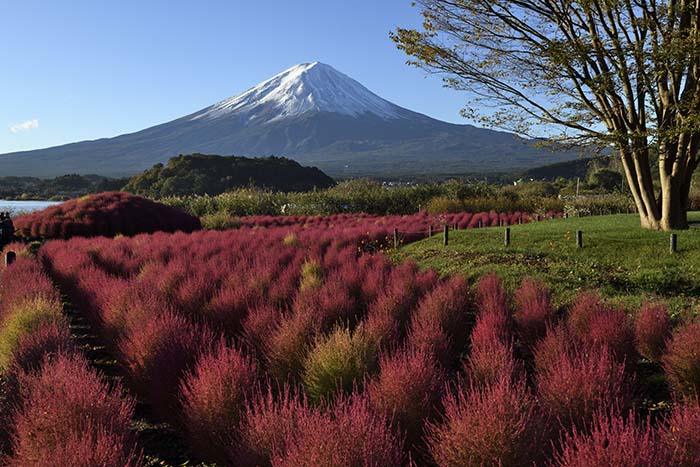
[(158, 353), (573, 385), (441, 323), (652, 327), (41, 346), (69, 417), (389, 313), (24, 280), (558, 340), (407, 390), (613, 441), (269, 417), (349, 435), (586, 307), (491, 360), (258, 327), (612, 329), (682, 360), (491, 298), (533, 310), (105, 214), (680, 433), (491, 356), (494, 425), (213, 398)]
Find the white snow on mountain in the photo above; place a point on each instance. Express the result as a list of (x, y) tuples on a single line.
[(309, 87)]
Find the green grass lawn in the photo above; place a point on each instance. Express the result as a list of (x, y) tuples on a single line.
[(626, 263)]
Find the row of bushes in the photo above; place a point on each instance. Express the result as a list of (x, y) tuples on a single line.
[(56, 410), (375, 198), (358, 196), (291, 349)]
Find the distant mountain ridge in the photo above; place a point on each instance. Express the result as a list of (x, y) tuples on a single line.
[(311, 113)]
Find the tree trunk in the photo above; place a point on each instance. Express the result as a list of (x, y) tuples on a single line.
[(671, 213), (646, 206), (674, 203)]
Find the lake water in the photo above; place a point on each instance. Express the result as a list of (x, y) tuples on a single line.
[(17, 207)]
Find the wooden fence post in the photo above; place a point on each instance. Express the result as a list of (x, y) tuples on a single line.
[(446, 232), (430, 231), (396, 238), (579, 239), (10, 258), (674, 243), (455, 226), (506, 240), (480, 223)]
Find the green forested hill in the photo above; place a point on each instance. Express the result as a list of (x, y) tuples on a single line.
[(207, 174)]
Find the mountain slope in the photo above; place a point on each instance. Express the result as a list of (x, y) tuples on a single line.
[(310, 113)]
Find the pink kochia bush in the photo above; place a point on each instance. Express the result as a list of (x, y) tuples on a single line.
[(105, 214), (491, 298), (32, 324), (585, 308), (213, 398), (41, 347), (612, 329), (602, 326), (407, 391), (441, 322), (613, 440), (497, 424), (388, 315), (269, 418), (680, 434), (24, 281), (69, 417), (533, 310), (682, 360), (158, 353), (349, 435), (575, 383), (491, 355), (652, 327)]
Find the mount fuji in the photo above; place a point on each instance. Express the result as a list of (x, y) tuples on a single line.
[(311, 113)]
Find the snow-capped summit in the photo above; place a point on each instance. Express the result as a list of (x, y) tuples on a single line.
[(304, 88)]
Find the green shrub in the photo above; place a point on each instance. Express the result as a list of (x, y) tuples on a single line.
[(25, 318), (337, 362), (443, 205), (311, 275), (588, 205), (220, 221)]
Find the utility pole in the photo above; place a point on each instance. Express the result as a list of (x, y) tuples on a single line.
[(578, 183)]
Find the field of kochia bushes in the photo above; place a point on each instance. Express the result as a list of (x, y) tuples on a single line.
[(298, 344)]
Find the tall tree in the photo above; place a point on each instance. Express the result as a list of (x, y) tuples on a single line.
[(620, 73)]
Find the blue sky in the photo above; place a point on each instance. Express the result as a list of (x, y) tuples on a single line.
[(78, 69)]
